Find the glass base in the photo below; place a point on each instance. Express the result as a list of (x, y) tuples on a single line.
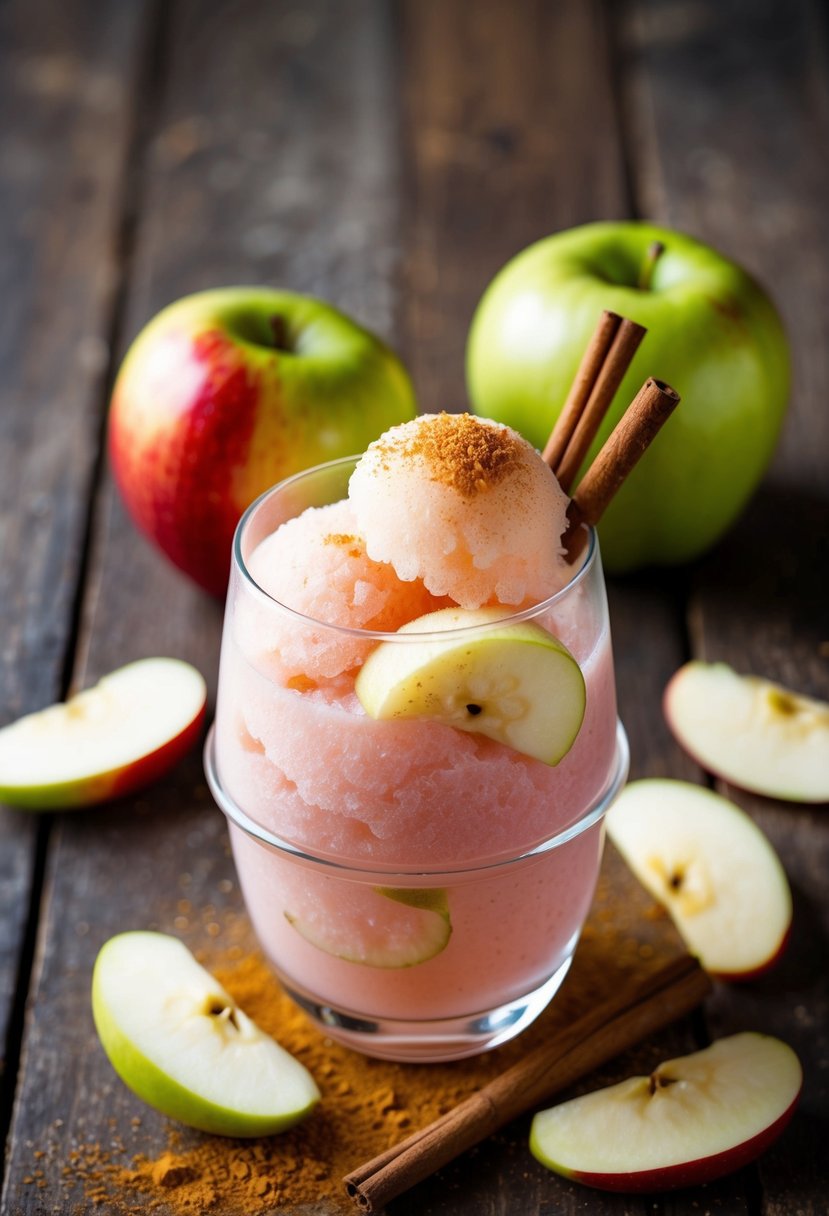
[(429, 1042)]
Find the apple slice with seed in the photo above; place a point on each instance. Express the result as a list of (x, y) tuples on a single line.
[(713, 869), (108, 741), (692, 1120), (388, 927), (515, 683), (182, 1044), (756, 734)]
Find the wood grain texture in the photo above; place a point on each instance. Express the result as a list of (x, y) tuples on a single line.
[(270, 161), (509, 135), (729, 102), (65, 101), (389, 158)]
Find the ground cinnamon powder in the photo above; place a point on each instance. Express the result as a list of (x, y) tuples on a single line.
[(366, 1105), (459, 450)]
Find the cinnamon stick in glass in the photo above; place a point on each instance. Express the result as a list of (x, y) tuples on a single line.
[(649, 1004), (618, 360), (582, 386), (602, 369), (627, 443)]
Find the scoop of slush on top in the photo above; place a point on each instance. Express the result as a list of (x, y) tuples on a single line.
[(448, 514), (466, 505), (317, 564)]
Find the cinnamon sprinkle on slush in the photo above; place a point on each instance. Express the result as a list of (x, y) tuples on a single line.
[(460, 452)]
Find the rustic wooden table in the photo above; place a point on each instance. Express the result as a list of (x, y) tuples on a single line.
[(389, 157)]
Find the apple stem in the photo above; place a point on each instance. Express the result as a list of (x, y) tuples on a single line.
[(279, 330), (655, 251)]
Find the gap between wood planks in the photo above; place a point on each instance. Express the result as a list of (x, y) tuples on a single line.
[(146, 92)]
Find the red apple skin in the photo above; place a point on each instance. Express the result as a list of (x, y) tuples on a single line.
[(117, 783), (206, 414), (151, 768), (688, 1173), (746, 977)]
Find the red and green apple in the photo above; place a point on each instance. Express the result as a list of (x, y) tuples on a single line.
[(226, 392), (711, 867), (753, 732), (105, 742), (713, 334), (693, 1119)]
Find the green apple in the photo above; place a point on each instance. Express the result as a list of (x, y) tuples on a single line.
[(388, 927), (226, 392), (105, 742), (515, 683), (693, 1119), (713, 334), (753, 732), (179, 1041)]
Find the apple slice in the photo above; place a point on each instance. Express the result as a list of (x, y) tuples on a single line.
[(692, 1120), (514, 683), (179, 1041), (366, 929), (756, 734), (711, 867), (105, 742)]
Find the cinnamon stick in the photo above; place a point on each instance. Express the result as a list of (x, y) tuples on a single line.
[(650, 1004), (581, 388), (618, 360), (633, 434)]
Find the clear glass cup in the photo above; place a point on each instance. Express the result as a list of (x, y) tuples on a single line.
[(419, 890)]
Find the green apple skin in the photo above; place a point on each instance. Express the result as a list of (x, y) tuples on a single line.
[(428, 934), (436, 679), (105, 787), (110, 781), (713, 335), (226, 392), (161, 1091)]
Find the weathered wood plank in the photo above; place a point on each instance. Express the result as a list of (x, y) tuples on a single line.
[(509, 138), (731, 104), (65, 126), (273, 160)]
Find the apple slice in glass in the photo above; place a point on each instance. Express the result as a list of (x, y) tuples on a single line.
[(692, 1120), (713, 869), (515, 683), (756, 734), (388, 927), (105, 742), (179, 1041)]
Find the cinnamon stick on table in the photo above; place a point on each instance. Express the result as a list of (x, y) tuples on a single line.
[(628, 1017)]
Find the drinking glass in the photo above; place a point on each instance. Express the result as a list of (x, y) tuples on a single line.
[(419, 890)]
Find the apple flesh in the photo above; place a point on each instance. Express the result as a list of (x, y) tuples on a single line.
[(389, 927), (754, 733), (692, 1120), (517, 684), (105, 742), (179, 1041), (713, 869), (226, 392), (712, 333)]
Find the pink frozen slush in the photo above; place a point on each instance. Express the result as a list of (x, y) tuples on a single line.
[(443, 511)]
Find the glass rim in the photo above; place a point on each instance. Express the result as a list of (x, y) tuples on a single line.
[(355, 869), (524, 614)]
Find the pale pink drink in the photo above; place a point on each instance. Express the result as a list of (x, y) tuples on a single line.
[(419, 889)]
